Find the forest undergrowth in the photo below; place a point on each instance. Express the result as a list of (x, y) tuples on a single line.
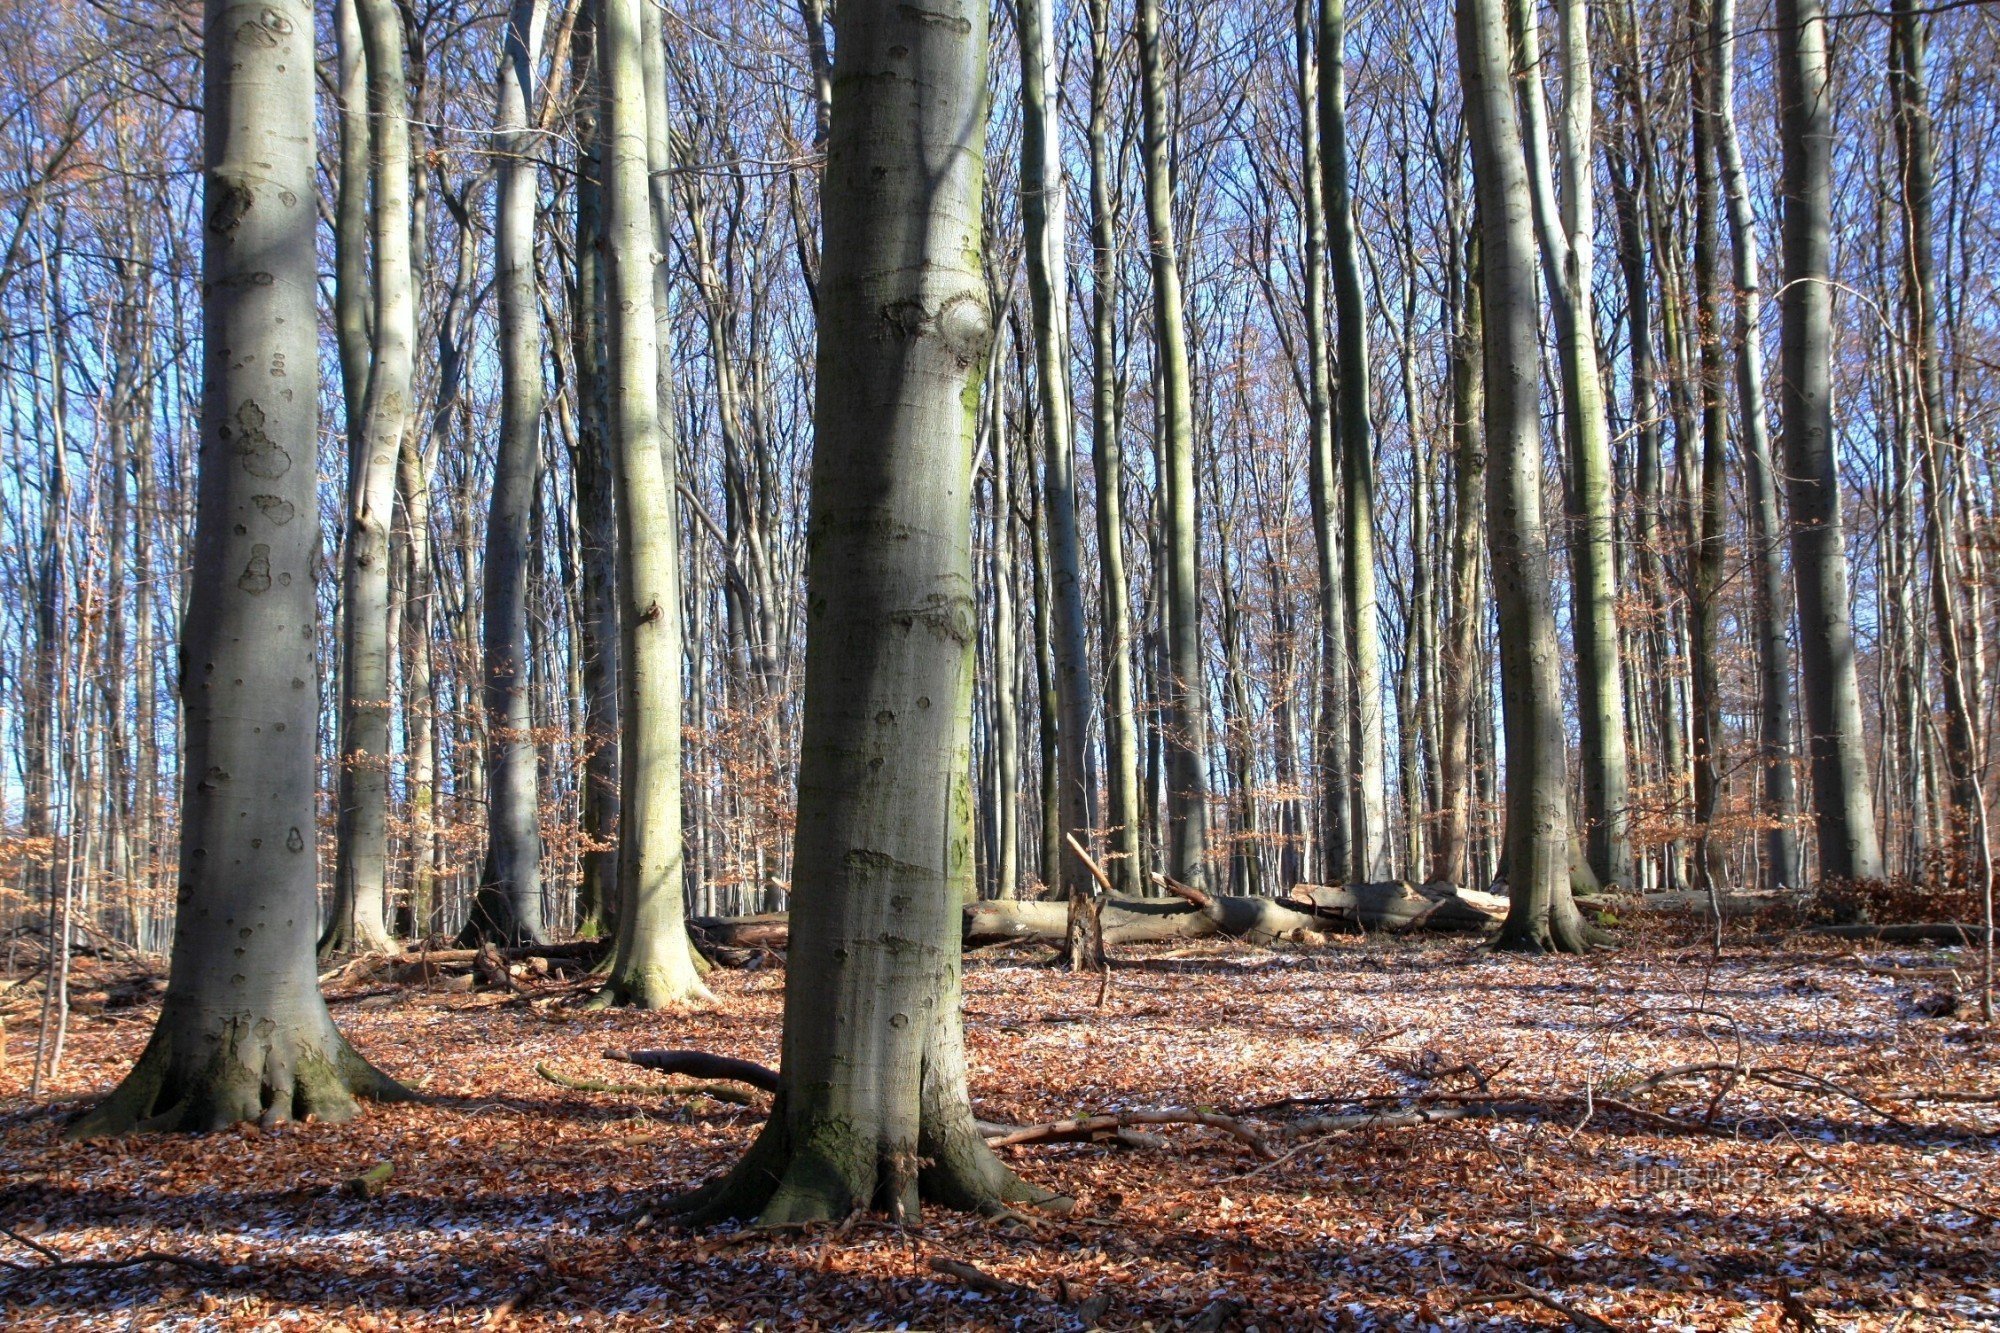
[(1656, 1138)]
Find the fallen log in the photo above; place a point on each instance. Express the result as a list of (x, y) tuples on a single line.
[(1395, 906), (1188, 914)]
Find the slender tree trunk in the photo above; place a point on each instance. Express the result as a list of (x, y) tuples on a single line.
[(652, 964), (1186, 722), (1043, 221), (1462, 677), (508, 906), (1565, 220), (596, 507), (1711, 549), (1773, 598), (355, 922), (872, 1108), (1843, 802), (350, 216), (243, 1033), (1369, 828), (1910, 102), (1337, 811), (1006, 739), (1121, 729), (1542, 916)]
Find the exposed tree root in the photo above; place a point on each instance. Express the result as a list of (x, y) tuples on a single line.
[(249, 1071)]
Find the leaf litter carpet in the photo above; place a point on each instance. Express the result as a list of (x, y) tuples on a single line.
[(1843, 1177)]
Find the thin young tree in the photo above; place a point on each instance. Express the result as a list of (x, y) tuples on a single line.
[(872, 1108), (243, 1033)]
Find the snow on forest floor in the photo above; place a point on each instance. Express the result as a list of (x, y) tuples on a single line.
[(511, 1196)]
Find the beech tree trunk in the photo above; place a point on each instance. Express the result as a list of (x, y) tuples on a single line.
[(1542, 915), (356, 917), (1843, 799), (1337, 807), (1368, 843), (508, 906), (652, 965), (243, 1033), (873, 1109), (1043, 222), (1772, 594), (1186, 721), (1127, 860), (1566, 222), (596, 506)]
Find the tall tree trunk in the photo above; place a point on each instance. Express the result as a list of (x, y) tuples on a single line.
[(243, 1033), (1565, 221), (1462, 678), (1772, 595), (1910, 103), (1186, 722), (652, 965), (1541, 916), (355, 921), (350, 216), (1843, 803), (1369, 827), (1006, 738), (872, 1108), (1711, 550), (508, 906), (1121, 728), (1043, 220), (1337, 811), (596, 506)]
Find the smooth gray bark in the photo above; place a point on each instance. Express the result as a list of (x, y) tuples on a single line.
[(1773, 597), (596, 507), (1910, 106), (1323, 468), (1462, 681), (1368, 843), (1843, 798), (508, 906), (243, 1033), (1044, 214), (355, 920), (1186, 722), (652, 965), (1126, 862), (1565, 224), (873, 1109), (1542, 915)]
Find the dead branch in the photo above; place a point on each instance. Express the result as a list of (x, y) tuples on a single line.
[(701, 1064), (721, 1092)]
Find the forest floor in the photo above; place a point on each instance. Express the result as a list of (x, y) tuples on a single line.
[(1833, 1188)]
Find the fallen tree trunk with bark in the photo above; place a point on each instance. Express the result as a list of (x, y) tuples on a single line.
[(1393, 907)]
